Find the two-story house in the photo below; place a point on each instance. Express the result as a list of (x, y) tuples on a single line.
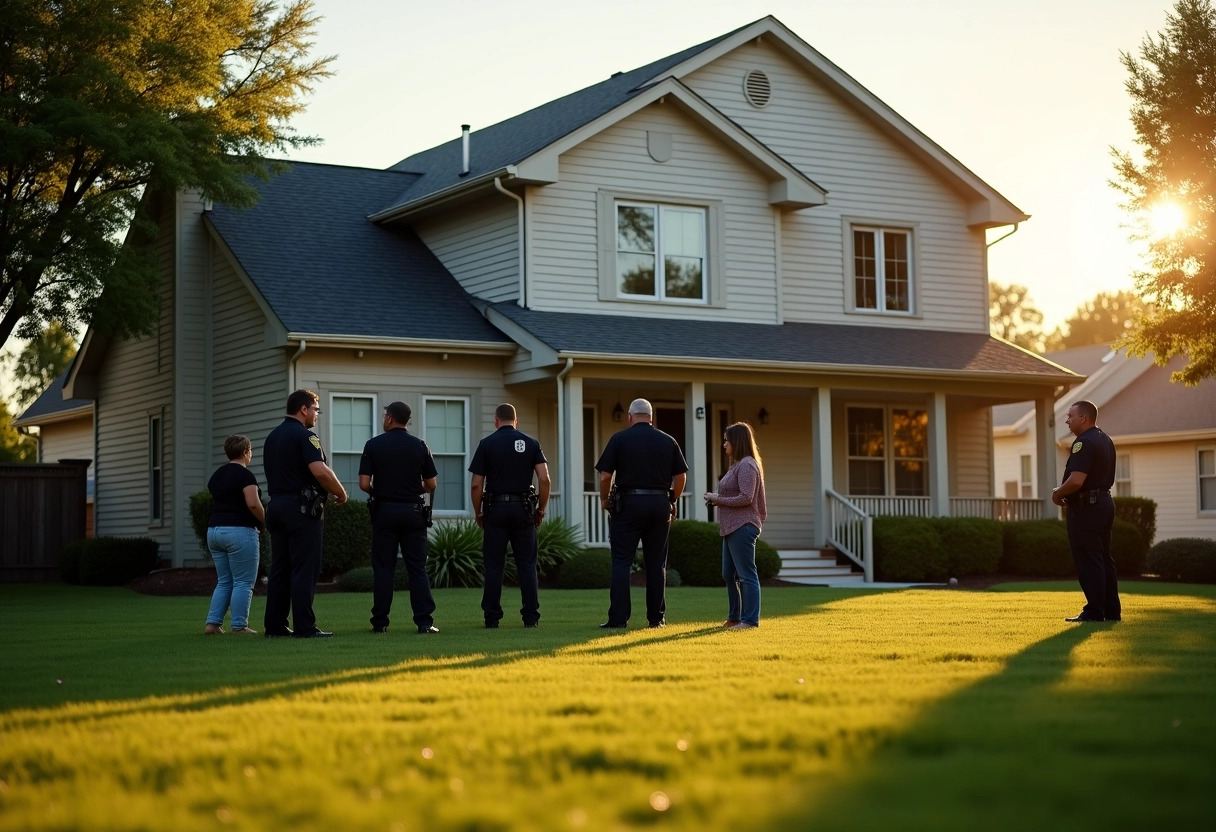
[(739, 231)]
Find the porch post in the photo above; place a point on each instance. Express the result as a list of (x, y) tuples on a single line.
[(821, 461), (939, 458), (572, 442), (1045, 436), (698, 464)]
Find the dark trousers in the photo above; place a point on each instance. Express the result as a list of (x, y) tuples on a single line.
[(295, 565), (1089, 539), (509, 523), (400, 525), (644, 518)]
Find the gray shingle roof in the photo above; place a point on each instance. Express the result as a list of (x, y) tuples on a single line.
[(51, 402), (325, 269), (1154, 404), (519, 137), (1083, 361), (800, 343)]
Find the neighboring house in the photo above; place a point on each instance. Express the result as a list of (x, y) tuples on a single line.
[(65, 431), (1164, 434), (737, 231)]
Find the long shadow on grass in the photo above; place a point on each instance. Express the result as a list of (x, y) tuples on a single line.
[(1113, 734)]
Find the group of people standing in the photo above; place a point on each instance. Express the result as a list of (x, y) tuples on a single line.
[(642, 476)]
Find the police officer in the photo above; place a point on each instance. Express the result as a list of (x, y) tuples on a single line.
[(650, 474), (397, 471), (297, 479), (1085, 491), (507, 511)]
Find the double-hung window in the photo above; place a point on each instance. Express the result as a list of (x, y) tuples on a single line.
[(352, 421), (1123, 475), (888, 451), (446, 431), (156, 489), (1026, 483), (660, 251), (1207, 479), (881, 269)]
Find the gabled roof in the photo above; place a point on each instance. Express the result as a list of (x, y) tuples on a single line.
[(51, 406), (1152, 404), (801, 346), (1084, 361), (323, 269)]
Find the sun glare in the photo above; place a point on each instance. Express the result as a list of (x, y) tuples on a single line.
[(1166, 219)]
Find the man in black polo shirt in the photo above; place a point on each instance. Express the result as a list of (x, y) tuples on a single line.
[(650, 474), (502, 470), (297, 479), (1090, 513), (397, 470)]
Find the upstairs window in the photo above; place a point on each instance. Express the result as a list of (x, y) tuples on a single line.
[(882, 270), (660, 252)]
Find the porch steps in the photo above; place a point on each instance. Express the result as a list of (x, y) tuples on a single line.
[(817, 567)]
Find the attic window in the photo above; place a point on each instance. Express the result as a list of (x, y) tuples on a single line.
[(757, 88)]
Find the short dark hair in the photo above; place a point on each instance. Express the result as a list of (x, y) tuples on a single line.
[(236, 446), (300, 399), (1087, 409), (505, 413), (399, 411)]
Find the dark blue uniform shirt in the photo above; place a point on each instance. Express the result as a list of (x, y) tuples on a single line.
[(286, 454), (507, 459), (1093, 453), (642, 457), (397, 462)]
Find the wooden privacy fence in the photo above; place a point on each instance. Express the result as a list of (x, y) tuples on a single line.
[(42, 509)]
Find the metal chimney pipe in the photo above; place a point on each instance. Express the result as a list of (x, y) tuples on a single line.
[(464, 142)]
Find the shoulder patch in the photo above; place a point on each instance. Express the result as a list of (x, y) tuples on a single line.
[(316, 443), (1076, 446), (519, 446)]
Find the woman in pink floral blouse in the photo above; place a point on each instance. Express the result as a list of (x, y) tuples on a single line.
[(741, 514)]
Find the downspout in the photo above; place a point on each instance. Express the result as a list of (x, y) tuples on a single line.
[(563, 439), (519, 230), (1003, 236), (291, 367)]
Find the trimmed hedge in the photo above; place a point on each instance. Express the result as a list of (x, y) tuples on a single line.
[(908, 549), (694, 550), (1037, 548), (1141, 512), (347, 540), (69, 560), (1127, 548), (973, 545), (360, 579), (108, 561), (768, 562), (1188, 559), (589, 569)]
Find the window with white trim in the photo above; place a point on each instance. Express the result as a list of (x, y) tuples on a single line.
[(1123, 475), (446, 431), (888, 451), (1207, 479), (1025, 482), (156, 480), (352, 421), (882, 269)]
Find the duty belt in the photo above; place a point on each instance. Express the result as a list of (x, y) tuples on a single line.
[(417, 502), (506, 498), (652, 491)]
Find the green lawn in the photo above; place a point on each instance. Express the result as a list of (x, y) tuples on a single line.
[(850, 710)]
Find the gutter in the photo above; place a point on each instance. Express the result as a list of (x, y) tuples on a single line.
[(402, 344), (291, 367), (449, 193)]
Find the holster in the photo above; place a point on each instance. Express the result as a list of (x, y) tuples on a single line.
[(426, 511), (614, 499), (531, 501), (312, 501)]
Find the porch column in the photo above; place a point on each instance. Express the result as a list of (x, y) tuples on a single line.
[(821, 461), (572, 452), (698, 464), (1047, 471), (939, 461)]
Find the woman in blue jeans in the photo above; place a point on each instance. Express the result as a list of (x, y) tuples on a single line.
[(232, 536), (741, 514)]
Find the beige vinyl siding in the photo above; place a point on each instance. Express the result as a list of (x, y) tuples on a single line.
[(1007, 452), (867, 176), (67, 440), (785, 447), (1167, 473), (479, 245), (969, 445), (563, 236)]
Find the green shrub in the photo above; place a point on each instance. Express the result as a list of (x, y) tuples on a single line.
[(360, 579), (695, 551), (454, 554), (768, 562), (347, 541), (589, 569), (1037, 548), (69, 560), (907, 549), (673, 577), (972, 544), (112, 561), (556, 542), (1141, 512), (1189, 559), (1127, 548)]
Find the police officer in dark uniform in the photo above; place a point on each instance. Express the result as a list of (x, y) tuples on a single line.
[(509, 510), (650, 475), (397, 471), (1085, 492), (297, 479)]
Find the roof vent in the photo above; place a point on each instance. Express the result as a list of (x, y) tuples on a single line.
[(757, 88)]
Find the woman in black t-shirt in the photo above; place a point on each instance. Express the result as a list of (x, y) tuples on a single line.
[(232, 536)]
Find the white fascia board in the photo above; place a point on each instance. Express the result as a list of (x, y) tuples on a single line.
[(790, 187), (457, 191), (81, 412), (81, 383), (988, 209), (322, 340), (1195, 435)]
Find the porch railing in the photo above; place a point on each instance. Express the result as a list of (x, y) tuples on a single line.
[(850, 530), (595, 519), (996, 508)]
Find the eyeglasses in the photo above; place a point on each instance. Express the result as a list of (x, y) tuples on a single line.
[(316, 408)]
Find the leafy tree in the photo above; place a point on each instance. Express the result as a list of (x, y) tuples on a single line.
[(41, 361), (1173, 90), (14, 447), (1014, 317), (1106, 319), (101, 100)]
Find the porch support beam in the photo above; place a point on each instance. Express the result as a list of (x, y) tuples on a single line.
[(572, 452), (1045, 456), (698, 463), (821, 460), (939, 458)]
